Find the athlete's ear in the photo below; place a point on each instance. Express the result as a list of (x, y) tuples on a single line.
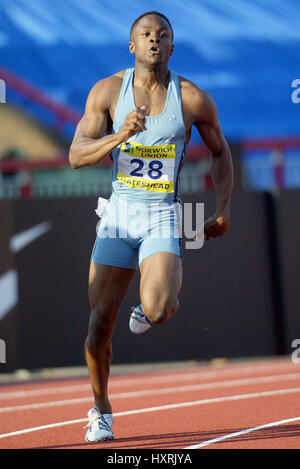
[(131, 47), (172, 49)]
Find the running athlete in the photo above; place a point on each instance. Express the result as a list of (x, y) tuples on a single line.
[(142, 117)]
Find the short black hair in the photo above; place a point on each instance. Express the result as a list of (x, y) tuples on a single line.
[(157, 13)]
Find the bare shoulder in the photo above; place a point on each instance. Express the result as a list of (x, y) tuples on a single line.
[(104, 91), (197, 101), (190, 91)]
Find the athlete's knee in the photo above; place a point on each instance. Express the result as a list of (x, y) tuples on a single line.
[(159, 313)]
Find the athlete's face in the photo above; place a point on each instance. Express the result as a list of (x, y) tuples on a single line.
[(151, 40)]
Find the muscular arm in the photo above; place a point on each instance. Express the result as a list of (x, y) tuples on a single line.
[(221, 162), (90, 144), (205, 118)]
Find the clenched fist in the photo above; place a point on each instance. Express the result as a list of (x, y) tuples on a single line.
[(134, 123), (215, 226)]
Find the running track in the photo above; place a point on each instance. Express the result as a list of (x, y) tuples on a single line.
[(242, 405)]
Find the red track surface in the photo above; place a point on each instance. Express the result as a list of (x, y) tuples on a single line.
[(163, 410)]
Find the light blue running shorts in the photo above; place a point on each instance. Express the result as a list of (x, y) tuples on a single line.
[(131, 230)]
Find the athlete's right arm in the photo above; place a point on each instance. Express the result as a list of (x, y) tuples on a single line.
[(90, 144)]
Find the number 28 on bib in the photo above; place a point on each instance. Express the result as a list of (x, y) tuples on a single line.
[(148, 168)]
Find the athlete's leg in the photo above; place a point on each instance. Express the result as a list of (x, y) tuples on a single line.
[(107, 287), (161, 279)]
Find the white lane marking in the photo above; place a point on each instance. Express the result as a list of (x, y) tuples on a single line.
[(115, 382), (242, 432), (43, 405), (162, 407), (42, 427), (149, 392), (46, 391)]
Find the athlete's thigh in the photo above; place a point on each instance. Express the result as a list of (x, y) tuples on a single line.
[(108, 285), (161, 279)]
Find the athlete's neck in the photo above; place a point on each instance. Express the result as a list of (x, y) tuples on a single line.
[(150, 76)]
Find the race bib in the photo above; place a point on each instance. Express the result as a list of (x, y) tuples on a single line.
[(149, 168)]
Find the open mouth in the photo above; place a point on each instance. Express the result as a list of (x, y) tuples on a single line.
[(155, 50)]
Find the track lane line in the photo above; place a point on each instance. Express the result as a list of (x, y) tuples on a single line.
[(241, 432), (161, 408), (149, 392), (181, 375)]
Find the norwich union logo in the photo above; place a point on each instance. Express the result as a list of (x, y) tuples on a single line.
[(152, 152)]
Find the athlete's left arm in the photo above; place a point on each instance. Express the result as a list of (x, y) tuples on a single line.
[(205, 118)]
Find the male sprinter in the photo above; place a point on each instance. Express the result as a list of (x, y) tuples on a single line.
[(142, 117)]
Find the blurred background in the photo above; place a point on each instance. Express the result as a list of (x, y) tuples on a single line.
[(240, 293)]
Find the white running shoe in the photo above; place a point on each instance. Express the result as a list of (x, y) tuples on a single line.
[(98, 428), (138, 322)]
